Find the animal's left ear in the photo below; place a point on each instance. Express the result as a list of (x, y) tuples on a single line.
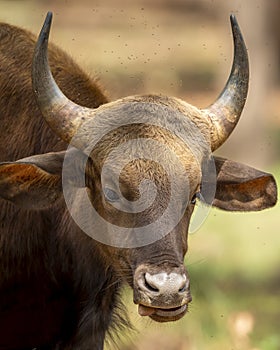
[(242, 188)]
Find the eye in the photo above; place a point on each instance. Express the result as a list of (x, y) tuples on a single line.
[(111, 195), (194, 198)]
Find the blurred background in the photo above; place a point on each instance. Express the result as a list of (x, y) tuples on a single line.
[(184, 48)]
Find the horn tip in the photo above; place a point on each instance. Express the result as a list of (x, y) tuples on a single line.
[(236, 32), (49, 16), (233, 21), (48, 19), (46, 26), (232, 18)]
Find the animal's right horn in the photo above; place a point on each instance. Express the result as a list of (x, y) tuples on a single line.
[(63, 116)]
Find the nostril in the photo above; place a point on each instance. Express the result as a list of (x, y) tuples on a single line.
[(163, 283), (184, 284), (151, 288), (149, 284), (183, 289)]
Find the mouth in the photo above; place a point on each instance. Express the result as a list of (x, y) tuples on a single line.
[(163, 314)]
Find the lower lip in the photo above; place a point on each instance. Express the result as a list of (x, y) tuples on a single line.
[(170, 312), (167, 314)]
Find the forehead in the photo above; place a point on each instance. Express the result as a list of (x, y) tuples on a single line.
[(127, 132), (163, 160), (116, 120)]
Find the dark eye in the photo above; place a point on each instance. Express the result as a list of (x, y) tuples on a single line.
[(111, 195), (194, 198)]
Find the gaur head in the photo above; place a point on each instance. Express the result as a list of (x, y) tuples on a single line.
[(133, 172)]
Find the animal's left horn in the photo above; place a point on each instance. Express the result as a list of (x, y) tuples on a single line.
[(63, 116), (224, 114)]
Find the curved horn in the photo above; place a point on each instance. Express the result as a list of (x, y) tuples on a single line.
[(225, 112), (63, 116)]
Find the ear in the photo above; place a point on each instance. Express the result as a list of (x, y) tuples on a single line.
[(242, 188), (35, 182)]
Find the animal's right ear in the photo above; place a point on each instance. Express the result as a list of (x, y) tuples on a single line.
[(34, 183)]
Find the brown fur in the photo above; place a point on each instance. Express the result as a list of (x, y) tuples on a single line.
[(48, 296)]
